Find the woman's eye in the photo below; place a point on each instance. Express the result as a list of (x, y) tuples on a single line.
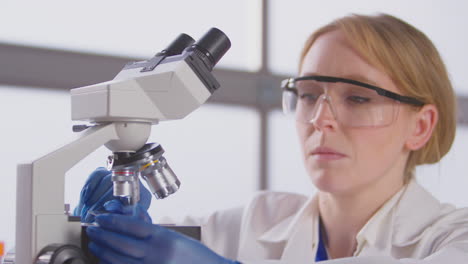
[(309, 97), (358, 99)]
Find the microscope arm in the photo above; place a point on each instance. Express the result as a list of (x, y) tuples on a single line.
[(40, 191)]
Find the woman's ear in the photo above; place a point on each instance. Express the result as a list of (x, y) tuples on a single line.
[(425, 122)]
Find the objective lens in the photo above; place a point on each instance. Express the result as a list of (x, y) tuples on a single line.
[(148, 163), (126, 185), (160, 178)]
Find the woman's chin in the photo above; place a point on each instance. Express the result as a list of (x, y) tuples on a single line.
[(331, 183)]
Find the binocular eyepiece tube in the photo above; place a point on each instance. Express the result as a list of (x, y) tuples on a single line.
[(210, 48)]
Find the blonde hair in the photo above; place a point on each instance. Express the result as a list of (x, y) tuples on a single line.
[(410, 59)]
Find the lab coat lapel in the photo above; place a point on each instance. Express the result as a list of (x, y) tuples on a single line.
[(301, 236), (409, 226), (292, 240), (376, 236), (301, 245), (259, 240), (397, 224)]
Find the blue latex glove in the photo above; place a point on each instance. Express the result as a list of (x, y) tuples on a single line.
[(128, 239), (117, 207), (97, 191)]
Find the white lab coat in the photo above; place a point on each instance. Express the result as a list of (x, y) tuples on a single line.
[(412, 227)]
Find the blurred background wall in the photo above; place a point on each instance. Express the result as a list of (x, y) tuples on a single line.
[(239, 142)]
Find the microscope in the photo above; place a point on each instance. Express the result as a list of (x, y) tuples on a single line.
[(119, 114)]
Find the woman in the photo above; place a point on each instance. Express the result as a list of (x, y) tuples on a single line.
[(372, 101)]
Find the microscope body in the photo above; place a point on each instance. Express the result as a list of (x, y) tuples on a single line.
[(132, 95), (167, 87)]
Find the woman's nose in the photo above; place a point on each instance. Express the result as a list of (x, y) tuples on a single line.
[(324, 116)]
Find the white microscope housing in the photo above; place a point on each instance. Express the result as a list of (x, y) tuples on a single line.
[(121, 112), (170, 91)]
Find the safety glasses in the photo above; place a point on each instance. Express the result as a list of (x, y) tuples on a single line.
[(353, 103)]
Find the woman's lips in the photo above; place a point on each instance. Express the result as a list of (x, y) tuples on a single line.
[(325, 153)]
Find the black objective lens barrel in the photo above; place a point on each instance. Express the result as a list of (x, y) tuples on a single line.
[(213, 45), (178, 45)]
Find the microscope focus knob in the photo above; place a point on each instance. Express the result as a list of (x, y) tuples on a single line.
[(61, 254)]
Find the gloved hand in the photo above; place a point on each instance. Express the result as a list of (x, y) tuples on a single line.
[(97, 191), (129, 239), (117, 207)]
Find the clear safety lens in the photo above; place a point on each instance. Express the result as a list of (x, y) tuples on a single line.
[(351, 105), (289, 101)]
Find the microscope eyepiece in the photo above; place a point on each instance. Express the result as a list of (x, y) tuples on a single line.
[(178, 45), (211, 47)]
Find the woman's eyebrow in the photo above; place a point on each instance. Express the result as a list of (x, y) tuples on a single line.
[(355, 77), (359, 78)]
